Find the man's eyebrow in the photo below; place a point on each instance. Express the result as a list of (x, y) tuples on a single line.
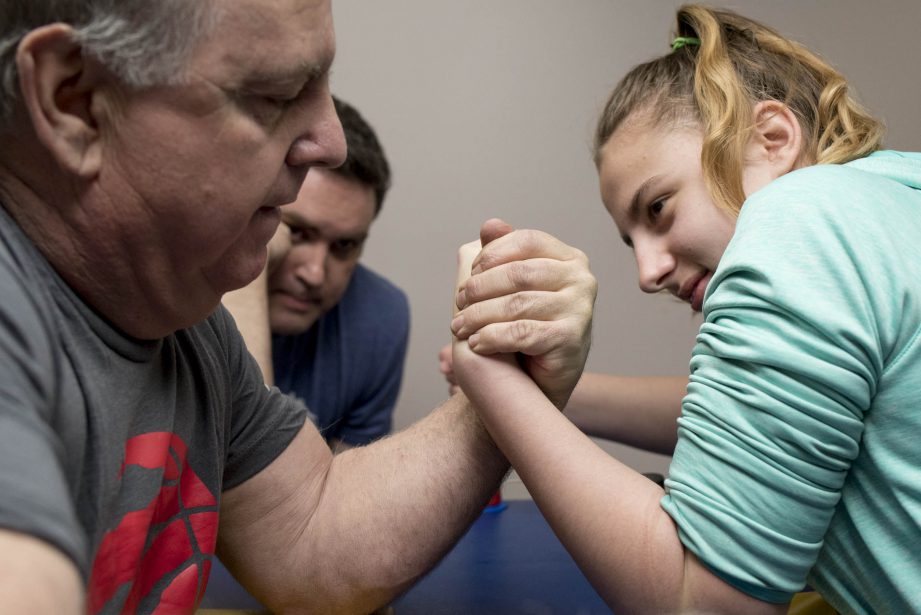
[(298, 75), (293, 219), (356, 237), (299, 223)]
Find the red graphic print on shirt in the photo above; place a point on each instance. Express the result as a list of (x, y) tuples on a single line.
[(159, 556)]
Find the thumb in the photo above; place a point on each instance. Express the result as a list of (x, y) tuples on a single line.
[(493, 229)]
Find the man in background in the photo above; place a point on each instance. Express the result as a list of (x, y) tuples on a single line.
[(339, 330)]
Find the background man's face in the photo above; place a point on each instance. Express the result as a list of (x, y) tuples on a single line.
[(329, 223)]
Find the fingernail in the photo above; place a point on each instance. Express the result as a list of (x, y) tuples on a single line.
[(473, 340), (461, 299), (457, 324)]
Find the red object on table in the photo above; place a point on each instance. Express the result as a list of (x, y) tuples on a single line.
[(495, 503)]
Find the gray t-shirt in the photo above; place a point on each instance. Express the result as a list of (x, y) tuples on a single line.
[(116, 450)]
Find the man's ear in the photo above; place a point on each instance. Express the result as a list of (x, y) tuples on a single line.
[(776, 139), (58, 82)]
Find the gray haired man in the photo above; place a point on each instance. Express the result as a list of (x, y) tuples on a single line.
[(145, 149)]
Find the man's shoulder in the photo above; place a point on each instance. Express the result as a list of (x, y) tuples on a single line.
[(367, 280), (369, 291), (372, 308), (26, 283)]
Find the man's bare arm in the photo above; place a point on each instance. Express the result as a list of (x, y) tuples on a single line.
[(249, 307), (318, 533), (35, 577), (346, 534)]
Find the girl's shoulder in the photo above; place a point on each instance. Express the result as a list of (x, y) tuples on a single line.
[(823, 191)]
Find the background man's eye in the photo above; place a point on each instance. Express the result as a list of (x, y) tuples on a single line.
[(344, 247)]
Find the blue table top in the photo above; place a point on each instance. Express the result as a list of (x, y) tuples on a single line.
[(508, 563)]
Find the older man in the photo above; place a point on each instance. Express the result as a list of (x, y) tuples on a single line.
[(145, 149)]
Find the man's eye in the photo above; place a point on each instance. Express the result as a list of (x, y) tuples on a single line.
[(270, 108), (344, 247), (655, 209), (302, 235), (280, 101)]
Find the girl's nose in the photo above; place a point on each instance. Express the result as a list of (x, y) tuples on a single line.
[(654, 264)]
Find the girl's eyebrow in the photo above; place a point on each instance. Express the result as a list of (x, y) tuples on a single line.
[(634, 211)]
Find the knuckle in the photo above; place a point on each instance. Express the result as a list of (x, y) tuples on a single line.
[(520, 331), (592, 288), (519, 304), (520, 274), (528, 239), (580, 256), (473, 288), (584, 279), (487, 259), (472, 315)]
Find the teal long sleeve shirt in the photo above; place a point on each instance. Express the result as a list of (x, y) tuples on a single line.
[(799, 448)]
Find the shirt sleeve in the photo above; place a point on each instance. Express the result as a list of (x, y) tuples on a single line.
[(263, 420), (785, 366), (36, 496)]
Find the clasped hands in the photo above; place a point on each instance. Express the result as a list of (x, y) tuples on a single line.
[(528, 301)]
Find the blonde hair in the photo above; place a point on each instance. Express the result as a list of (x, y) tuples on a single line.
[(715, 84)]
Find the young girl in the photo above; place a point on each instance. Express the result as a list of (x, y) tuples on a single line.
[(747, 182)]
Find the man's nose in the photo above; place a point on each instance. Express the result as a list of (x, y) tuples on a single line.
[(654, 264), (311, 269), (320, 141)]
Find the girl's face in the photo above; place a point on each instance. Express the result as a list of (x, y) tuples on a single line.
[(653, 186)]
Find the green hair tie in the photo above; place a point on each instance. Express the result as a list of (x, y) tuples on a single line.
[(681, 41)]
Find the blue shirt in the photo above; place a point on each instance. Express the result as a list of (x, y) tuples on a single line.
[(348, 366)]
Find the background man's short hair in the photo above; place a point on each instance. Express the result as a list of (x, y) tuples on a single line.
[(365, 161)]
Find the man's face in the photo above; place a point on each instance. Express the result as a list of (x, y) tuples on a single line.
[(196, 173), (329, 223)]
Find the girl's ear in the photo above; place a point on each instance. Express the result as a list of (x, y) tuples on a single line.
[(776, 139)]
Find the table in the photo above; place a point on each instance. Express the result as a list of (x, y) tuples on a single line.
[(509, 563)]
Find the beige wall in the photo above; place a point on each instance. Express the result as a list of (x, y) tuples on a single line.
[(486, 109)]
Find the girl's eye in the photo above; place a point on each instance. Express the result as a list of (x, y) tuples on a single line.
[(655, 209)]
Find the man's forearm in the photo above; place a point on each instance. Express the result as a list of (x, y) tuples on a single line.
[(347, 534), (403, 501)]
